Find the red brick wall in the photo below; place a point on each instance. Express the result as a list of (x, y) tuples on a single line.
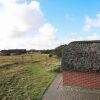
[(81, 79)]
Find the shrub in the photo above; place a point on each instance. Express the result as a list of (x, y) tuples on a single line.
[(50, 55)]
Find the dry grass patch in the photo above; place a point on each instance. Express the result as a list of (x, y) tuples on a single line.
[(26, 81)]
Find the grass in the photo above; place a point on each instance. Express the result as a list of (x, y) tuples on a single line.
[(82, 89), (27, 81), (43, 58)]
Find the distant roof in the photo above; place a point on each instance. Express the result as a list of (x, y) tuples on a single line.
[(82, 56), (91, 41)]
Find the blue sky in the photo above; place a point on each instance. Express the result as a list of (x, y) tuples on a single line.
[(45, 24), (69, 15)]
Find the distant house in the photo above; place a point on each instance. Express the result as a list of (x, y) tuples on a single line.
[(81, 64), (13, 52), (31, 51)]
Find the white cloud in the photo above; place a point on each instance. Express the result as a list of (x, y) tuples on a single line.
[(48, 31), (93, 36), (19, 17), (76, 37), (17, 21), (45, 39), (91, 23)]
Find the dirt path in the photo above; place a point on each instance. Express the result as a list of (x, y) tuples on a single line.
[(55, 92)]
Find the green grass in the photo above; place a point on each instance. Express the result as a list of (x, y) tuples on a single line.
[(24, 81), (81, 89)]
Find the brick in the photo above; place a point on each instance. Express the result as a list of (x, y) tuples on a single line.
[(81, 79)]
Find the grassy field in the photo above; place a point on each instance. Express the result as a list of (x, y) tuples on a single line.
[(26, 80), (22, 58)]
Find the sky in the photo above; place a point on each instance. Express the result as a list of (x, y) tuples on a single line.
[(46, 24)]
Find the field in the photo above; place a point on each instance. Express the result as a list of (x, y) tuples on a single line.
[(26, 77)]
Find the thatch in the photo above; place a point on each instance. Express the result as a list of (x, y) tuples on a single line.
[(82, 56)]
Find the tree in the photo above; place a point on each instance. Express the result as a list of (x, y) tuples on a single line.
[(58, 50)]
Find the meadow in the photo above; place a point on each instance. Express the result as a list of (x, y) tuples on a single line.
[(26, 77)]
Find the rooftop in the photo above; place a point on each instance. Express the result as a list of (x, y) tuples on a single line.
[(82, 56)]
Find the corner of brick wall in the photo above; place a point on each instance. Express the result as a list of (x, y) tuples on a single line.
[(81, 79)]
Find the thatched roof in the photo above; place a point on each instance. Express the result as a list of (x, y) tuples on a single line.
[(82, 56)]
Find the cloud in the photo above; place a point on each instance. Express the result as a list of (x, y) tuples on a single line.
[(48, 31), (23, 26), (73, 36), (20, 17), (24, 1), (76, 37), (93, 36), (45, 39), (91, 23)]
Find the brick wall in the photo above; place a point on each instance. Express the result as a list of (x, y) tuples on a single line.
[(81, 79)]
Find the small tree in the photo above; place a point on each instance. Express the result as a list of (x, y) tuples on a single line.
[(50, 55), (58, 51)]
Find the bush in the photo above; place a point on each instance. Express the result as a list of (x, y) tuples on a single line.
[(50, 55), (58, 51)]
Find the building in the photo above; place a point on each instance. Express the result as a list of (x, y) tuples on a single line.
[(13, 52), (81, 64)]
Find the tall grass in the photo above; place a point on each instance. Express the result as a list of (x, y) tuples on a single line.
[(27, 81)]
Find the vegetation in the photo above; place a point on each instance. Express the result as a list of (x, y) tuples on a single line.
[(27, 81), (57, 51), (26, 76), (82, 56)]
